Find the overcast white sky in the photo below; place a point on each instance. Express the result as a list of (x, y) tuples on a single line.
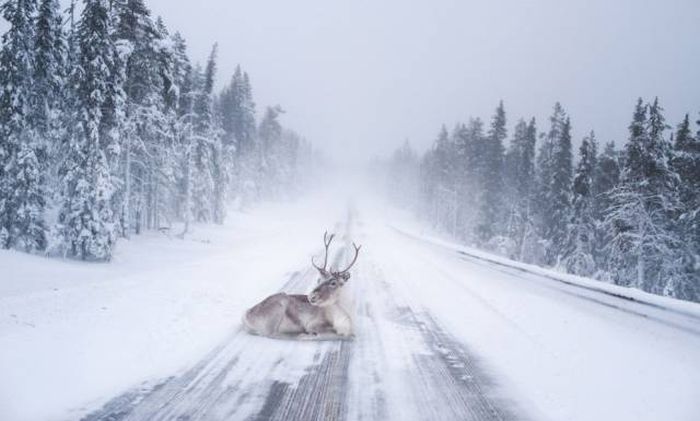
[(360, 76)]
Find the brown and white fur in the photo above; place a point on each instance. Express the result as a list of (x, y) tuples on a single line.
[(318, 315)]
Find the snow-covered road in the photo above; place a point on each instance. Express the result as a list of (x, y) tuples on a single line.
[(401, 365), (442, 332)]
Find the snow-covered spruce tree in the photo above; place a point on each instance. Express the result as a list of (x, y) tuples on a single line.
[(49, 68), (49, 91), (687, 163), (219, 173), (555, 173), (209, 179), (146, 123), (426, 188), (289, 148), (607, 177), (86, 218), (226, 110), (438, 192), (200, 184), (445, 168), (491, 212), (580, 245), (644, 251), (165, 195), (245, 124), (520, 186), (29, 232), (237, 111), (270, 135), (72, 47), (186, 78), (279, 152), (470, 170), (403, 176), (22, 150)]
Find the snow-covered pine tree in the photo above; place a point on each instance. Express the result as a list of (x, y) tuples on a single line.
[(580, 245), (644, 251), (491, 212), (86, 218), (22, 150)]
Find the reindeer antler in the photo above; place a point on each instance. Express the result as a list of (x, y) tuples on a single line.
[(326, 242), (354, 259)]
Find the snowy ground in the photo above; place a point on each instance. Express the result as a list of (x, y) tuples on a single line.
[(441, 333)]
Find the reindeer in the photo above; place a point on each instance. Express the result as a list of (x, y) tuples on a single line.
[(314, 316)]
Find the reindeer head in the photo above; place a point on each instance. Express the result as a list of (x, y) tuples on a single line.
[(330, 281)]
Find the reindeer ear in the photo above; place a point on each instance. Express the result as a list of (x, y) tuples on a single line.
[(345, 276)]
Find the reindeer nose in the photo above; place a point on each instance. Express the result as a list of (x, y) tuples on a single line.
[(313, 298)]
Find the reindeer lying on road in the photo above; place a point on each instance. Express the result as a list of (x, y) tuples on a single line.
[(314, 316)]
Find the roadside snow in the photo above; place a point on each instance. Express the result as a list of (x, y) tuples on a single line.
[(669, 303)]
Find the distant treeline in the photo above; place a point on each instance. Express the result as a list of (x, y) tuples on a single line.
[(630, 217), (107, 128)]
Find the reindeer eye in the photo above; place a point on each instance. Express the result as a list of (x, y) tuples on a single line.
[(334, 284)]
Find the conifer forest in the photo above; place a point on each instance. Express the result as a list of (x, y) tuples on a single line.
[(108, 129), (627, 215)]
